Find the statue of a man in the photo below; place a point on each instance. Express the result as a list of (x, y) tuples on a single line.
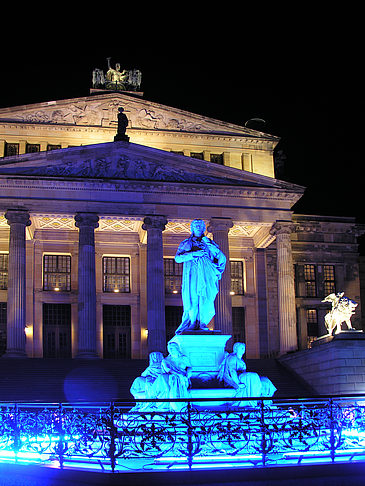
[(204, 264)]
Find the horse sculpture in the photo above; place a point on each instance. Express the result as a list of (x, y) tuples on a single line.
[(342, 310)]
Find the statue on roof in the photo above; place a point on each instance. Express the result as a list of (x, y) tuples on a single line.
[(117, 79)]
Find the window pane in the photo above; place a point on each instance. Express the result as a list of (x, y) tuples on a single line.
[(116, 274), (57, 272), (237, 283), (173, 276), (329, 279), (310, 280), (4, 262)]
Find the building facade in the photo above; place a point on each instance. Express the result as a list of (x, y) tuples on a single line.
[(89, 228)]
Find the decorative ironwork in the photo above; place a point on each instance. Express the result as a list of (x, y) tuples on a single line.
[(114, 434)]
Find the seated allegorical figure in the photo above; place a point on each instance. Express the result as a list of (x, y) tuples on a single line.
[(175, 378), (142, 386), (247, 384)]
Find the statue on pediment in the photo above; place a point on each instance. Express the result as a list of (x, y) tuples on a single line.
[(117, 79), (204, 264)]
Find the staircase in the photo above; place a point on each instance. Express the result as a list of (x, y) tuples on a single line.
[(70, 380)]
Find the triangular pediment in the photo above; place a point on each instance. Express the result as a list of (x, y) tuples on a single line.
[(101, 110), (131, 162)]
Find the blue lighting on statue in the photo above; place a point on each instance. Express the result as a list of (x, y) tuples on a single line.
[(204, 264)]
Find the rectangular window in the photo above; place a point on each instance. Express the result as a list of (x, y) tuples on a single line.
[(197, 155), (4, 262), (117, 331), (53, 147), (3, 319), (310, 280), (173, 276), (11, 149), (329, 279), (312, 325), (237, 282), (31, 148), (57, 273), (238, 324), (116, 274), (216, 158)]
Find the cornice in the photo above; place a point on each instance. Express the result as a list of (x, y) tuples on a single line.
[(211, 190)]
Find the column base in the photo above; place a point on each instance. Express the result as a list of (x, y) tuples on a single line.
[(15, 354)]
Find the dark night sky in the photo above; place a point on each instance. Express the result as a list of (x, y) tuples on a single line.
[(318, 118)]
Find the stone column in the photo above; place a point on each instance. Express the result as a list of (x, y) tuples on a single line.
[(286, 290), (155, 225), (17, 220), (223, 302), (86, 222)]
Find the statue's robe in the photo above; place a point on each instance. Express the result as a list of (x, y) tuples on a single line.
[(200, 281)]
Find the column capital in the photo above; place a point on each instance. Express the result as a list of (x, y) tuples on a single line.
[(220, 224), (18, 216), (86, 219), (154, 222), (282, 227)]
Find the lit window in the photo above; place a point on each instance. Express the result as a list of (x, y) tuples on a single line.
[(31, 148), (4, 262), (173, 276), (312, 325), (11, 149), (329, 279), (57, 273), (197, 155), (237, 285), (116, 274), (310, 280), (216, 158)]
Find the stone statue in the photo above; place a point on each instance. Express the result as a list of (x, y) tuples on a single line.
[(142, 386), (247, 384), (342, 310), (174, 380), (204, 264), (122, 126), (115, 79)]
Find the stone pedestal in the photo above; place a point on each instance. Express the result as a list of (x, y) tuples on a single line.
[(335, 365), (204, 350)]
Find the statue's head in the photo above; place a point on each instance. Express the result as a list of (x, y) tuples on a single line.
[(239, 349), (173, 349), (198, 227)]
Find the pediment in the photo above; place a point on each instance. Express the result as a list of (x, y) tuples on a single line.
[(131, 162), (101, 110)]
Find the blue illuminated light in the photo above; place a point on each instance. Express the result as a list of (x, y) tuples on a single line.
[(107, 437)]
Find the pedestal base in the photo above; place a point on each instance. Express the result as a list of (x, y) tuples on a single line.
[(205, 351)]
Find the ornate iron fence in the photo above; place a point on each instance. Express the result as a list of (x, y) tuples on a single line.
[(113, 435)]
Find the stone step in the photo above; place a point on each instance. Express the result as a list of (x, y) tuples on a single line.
[(63, 380)]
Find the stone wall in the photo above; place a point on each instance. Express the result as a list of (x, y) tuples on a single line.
[(333, 366)]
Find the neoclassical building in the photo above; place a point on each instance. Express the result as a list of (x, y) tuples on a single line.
[(89, 228)]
